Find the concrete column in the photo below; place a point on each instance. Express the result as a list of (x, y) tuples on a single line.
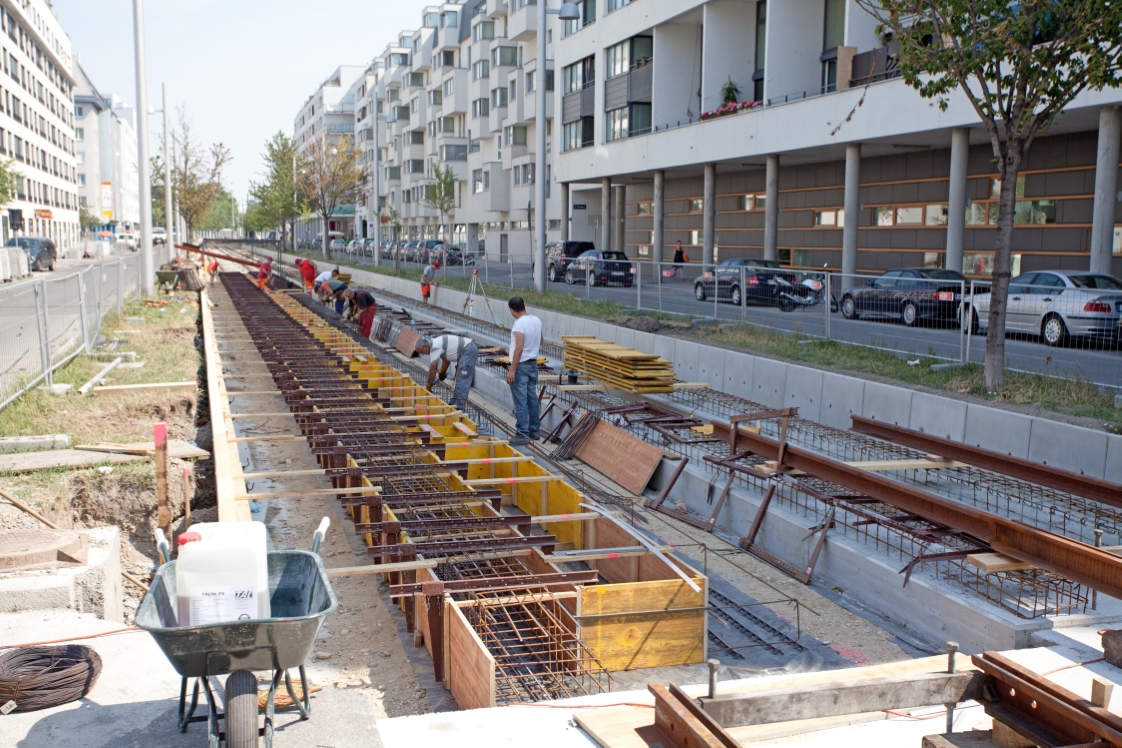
[(619, 219), (1106, 185), (852, 207), (605, 214), (956, 197), (771, 208), (564, 211), (658, 210), (709, 206)]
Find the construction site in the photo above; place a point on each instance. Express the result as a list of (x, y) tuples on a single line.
[(704, 548)]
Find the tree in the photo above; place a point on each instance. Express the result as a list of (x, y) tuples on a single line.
[(223, 213), (333, 177), (389, 216), (441, 197), (86, 220), (1018, 64), (278, 194), (258, 218), (10, 181), (196, 175)]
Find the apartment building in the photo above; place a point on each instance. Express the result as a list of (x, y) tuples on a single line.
[(829, 159), (327, 115), (37, 128), (108, 177), (459, 92)]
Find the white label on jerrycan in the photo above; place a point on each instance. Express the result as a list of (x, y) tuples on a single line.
[(221, 604)]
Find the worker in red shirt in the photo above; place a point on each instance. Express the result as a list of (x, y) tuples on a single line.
[(307, 272), (362, 304), (263, 273), (212, 268)]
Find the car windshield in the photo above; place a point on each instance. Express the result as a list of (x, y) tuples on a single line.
[(764, 263), (580, 247), (1104, 282), (949, 275), (615, 256)]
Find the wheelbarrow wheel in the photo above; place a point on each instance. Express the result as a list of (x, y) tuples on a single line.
[(241, 710)]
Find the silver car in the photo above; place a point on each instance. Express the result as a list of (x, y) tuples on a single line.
[(1056, 305)]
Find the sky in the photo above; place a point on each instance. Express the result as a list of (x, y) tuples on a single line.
[(242, 68)]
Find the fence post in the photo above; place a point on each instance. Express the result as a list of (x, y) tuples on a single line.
[(658, 271), (968, 321), (743, 293), (716, 295), (961, 332), (638, 285), (82, 310), (120, 284), (828, 301), (44, 335)]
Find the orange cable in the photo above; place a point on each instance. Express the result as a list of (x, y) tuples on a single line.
[(73, 638)]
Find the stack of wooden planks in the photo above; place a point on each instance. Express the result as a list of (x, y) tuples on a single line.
[(623, 368)]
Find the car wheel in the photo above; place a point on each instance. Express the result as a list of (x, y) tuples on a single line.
[(849, 309), (909, 314), (699, 292), (591, 276), (1053, 330), (734, 296), (552, 273), (569, 277)]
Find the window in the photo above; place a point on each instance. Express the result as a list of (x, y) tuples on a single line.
[(696, 206), (617, 59), (416, 79), (453, 153), (432, 20), (610, 5), (578, 134), (981, 263), (498, 97), (514, 135), (448, 58), (82, 180), (451, 18), (753, 202), (480, 108), (909, 216), (80, 155), (577, 75), (501, 56), (79, 134), (616, 125), (640, 119), (416, 137), (761, 50), (484, 30), (530, 78), (391, 94), (481, 69), (79, 111), (436, 97), (446, 124), (833, 35), (413, 106), (935, 215), (399, 58), (883, 217), (513, 89), (449, 86), (829, 218)]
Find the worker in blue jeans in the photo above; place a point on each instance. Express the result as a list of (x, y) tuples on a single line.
[(522, 376)]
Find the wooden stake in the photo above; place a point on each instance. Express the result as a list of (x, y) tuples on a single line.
[(186, 498), (163, 512)]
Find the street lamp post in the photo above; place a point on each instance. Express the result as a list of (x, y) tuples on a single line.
[(567, 12), (169, 209), (377, 191), (147, 271)]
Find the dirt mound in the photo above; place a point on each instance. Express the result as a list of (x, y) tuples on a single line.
[(642, 324)]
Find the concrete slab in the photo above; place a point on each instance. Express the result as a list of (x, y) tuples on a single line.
[(842, 396), (938, 416), (590, 327), (739, 368), (884, 402), (769, 382), (621, 335), (711, 366), (644, 341), (1069, 447), (686, 360), (35, 443), (998, 430), (1114, 459), (664, 347), (804, 391)]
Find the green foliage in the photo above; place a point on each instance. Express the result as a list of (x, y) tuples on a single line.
[(278, 196), (10, 179), (441, 194), (88, 221), (223, 213), (730, 92)]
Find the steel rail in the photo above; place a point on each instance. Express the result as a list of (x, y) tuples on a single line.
[(1051, 476), (1084, 564)]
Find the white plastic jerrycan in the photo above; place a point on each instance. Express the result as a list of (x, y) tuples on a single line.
[(222, 573)]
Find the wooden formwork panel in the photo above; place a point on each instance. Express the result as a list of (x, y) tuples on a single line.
[(471, 668)]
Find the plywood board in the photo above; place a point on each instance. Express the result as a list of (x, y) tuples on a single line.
[(406, 341), (626, 459), (471, 668)]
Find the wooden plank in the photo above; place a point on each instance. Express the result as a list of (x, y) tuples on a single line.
[(995, 562), (684, 729), (470, 667), (598, 554), (535, 597), (518, 479), (177, 449), (421, 563), (157, 388), (607, 444)]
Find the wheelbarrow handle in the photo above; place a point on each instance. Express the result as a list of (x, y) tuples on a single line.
[(321, 533), (162, 546)]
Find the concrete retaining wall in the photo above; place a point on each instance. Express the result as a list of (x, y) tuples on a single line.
[(823, 396)]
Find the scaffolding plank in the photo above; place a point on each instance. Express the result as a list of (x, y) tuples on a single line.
[(605, 446)]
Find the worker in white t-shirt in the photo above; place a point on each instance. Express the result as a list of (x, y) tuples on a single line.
[(522, 376)]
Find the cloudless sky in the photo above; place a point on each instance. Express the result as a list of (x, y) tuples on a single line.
[(243, 68)]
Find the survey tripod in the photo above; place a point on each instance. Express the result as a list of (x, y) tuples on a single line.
[(477, 287)]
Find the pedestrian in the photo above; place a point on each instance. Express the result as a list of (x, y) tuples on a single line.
[(212, 269), (263, 273), (333, 289), (522, 375), (445, 350), (427, 282), (307, 272), (364, 307), (680, 257)]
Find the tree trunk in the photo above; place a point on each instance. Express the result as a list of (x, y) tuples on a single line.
[(324, 241), (1002, 260)]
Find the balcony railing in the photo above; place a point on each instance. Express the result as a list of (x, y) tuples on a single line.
[(873, 66)]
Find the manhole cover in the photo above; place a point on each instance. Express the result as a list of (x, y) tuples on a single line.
[(41, 549)]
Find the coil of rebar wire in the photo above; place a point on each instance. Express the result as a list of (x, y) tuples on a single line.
[(45, 676)]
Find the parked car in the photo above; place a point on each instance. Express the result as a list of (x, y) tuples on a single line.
[(759, 279), (907, 294), (558, 255), (338, 245), (595, 267), (429, 250), (456, 256), (130, 240), (386, 250), (354, 246), (41, 252), (1056, 305), (368, 247), (410, 251)]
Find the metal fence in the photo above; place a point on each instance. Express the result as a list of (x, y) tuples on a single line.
[(46, 322)]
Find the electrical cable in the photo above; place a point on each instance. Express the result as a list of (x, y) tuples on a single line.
[(43, 677)]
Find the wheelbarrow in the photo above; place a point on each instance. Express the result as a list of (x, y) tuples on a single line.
[(168, 280), (301, 598)]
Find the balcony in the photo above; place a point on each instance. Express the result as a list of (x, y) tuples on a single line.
[(579, 104), (873, 66), (397, 114)]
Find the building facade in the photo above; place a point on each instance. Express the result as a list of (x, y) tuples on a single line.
[(108, 177), (828, 160), (37, 127)]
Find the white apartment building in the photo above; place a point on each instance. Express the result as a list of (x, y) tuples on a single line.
[(328, 114), (831, 159), (37, 122), (460, 92), (105, 135)]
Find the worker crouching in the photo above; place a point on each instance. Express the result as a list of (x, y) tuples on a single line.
[(444, 350), (363, 307)]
